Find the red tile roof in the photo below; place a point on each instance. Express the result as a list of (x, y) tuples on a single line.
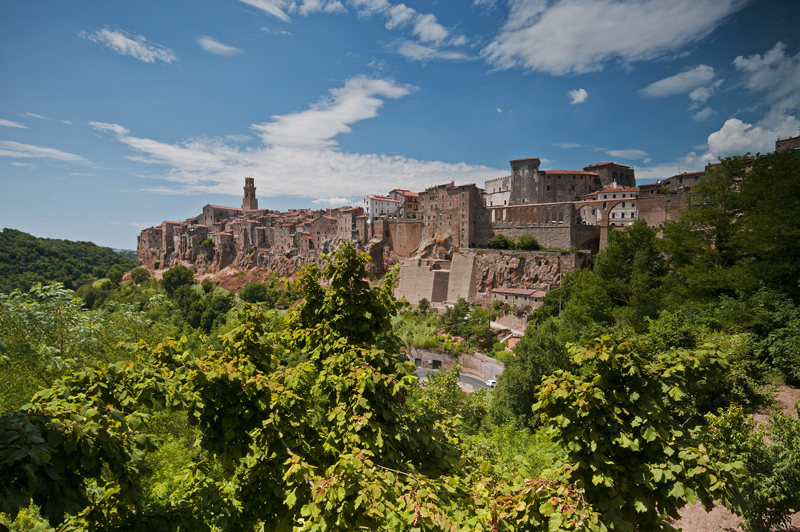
[(568, 172)]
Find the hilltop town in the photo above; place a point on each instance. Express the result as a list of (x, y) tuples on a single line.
[(439, 234)]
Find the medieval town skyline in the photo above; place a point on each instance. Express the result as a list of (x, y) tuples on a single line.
[(115, 117)]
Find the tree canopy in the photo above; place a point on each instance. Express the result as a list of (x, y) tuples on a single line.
[(26, 260)]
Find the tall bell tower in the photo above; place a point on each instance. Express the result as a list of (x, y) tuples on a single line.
[(250, 202)]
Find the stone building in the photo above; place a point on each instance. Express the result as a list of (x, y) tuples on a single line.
[(451, 210)]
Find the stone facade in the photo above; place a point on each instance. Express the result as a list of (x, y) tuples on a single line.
[(790, 144), (452, 210)]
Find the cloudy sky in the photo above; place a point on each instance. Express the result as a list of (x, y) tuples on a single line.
[(115, 116)]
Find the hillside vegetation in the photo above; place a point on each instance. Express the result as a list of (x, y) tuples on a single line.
[(26, 260)]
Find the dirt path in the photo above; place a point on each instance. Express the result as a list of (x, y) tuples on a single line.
[(695, 519)]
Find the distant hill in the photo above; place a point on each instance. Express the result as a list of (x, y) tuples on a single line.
[(26, 259)]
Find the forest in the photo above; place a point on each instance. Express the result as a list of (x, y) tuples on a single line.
[(26, 260), (175, 405)]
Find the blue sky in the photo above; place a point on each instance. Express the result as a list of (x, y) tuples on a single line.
[(115, 116)]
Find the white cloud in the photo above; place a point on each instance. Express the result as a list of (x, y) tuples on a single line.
[(692, 162), (332, 202), (577, 96), (631, 154), (682, 83), (737, 138), (703, 115), (306, 7), (299, 156), (215, 47), (421, 52), (35, 116), (335, 7), (271, 7), (777, 76), (26, 165), (136, 46), (399, 15), (359, 99), (576, 36), (16, 149), (428, 30), (499, 110), (434, 40), (111, 128), (9, 123)]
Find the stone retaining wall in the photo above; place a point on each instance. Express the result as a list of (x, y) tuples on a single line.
[(474, 364)]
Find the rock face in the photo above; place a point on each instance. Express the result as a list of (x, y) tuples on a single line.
[(529, 269), (286, 263)]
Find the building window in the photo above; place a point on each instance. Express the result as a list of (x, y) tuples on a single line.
[(548, 187)]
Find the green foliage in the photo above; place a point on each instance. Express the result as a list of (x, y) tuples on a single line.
[(732, 239), (26, 260), (423, 305), (115, 274), (46, 334), (176, 277), (140, 275), (327, 444), (625, 447), (528, 243), (253, 293), (415, 330), (274, 293), (540, 352), (633, 268), (498, 242), (771, 458), (199, 309), (442, 391)]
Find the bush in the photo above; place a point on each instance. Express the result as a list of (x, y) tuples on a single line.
[(176, 277), (498, 242), (528, 243), (140, 275), (254, 293)]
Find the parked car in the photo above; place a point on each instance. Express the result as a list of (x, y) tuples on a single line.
[(491, 383)]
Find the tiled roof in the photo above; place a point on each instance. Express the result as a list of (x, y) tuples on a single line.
[(568, 172), (606, 163), (226, 208), (615, 190), (530, 292)]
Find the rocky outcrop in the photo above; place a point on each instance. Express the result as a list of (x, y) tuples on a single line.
[(523, 269), (286, 263)]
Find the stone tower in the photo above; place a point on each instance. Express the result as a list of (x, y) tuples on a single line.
[(250, 202)]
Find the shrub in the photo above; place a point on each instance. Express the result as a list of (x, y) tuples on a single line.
[(140, 275), (254, 293), (498, 242)]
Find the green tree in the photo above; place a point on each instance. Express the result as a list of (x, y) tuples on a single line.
[(538, 354), (115, 274), (423, 305), (498, 242), (140, 275), (254, 293), (771, 458), (625, 446), (176, 277), (528, 243), (327, 444), (731, 239), (633, 267)]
